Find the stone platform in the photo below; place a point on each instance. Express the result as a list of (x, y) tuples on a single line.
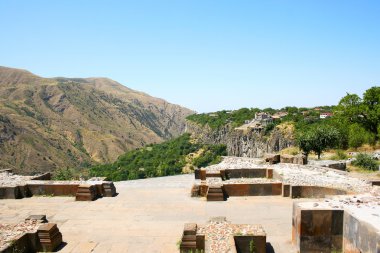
[(148, 216)]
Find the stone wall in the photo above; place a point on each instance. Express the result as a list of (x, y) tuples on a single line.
[(242, 143)]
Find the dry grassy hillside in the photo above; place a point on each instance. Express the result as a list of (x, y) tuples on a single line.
[(48, 123)]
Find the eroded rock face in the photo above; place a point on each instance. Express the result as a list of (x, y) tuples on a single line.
[(244, 143)]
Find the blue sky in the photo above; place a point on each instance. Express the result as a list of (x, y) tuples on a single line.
[(205, 55)]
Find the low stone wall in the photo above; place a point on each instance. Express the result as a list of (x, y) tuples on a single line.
[(14, 192), (245, 173), (53, 189), (28, 242), (265, 189), (303, 191)]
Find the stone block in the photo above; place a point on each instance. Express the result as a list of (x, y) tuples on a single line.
[(304, 191), (317, 230), (359, 235), (298, 159), (264, 189), (203, 174), (200, 242), (246, 173), (286, 158), (54, 189), (86, 193), (244, 243), (197, 174), (49, 236), (286, 190), (272, 158), (269, 173), (41, 218), (9, 192), (223, 174), (203, 189), (109, 189), (190, 229)]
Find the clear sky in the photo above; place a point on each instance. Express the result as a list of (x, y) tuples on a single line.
[(206, 55)]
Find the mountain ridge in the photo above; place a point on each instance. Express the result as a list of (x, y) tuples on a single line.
[(49, 123)]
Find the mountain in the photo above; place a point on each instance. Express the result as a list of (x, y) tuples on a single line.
[(49, 123)]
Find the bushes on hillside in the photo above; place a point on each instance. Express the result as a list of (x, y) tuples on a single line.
[(163, 159)]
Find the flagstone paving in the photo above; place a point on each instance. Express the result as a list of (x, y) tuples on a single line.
[(148, 216)]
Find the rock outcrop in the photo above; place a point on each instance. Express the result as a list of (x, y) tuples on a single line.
[(248, 143)]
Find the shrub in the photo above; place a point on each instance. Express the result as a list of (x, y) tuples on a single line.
[(365, 161), (64, 174), (339, 155)]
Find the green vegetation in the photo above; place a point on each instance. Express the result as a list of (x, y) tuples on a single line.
[(355, 122), (252, 247), (156, 160), (366, 162), (339, 155), (358, 135), (317, 138), (218, 119)]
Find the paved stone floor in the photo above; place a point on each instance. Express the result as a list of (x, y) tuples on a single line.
[(148, 216)]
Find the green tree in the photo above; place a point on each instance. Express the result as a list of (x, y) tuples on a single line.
[(317, 138), (371, 108), (365, 112), (358, 136)]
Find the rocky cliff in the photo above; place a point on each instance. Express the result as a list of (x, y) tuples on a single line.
[(247, 143)]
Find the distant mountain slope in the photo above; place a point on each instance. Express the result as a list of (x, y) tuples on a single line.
[(48, 123)]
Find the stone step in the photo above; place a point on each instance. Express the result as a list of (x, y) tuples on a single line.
[(188, 245), (215, 174), (189, 238), (190, 229), (215, 190), (215, 198)]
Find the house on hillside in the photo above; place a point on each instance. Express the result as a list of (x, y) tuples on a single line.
[(257, 124), (279, 115), (325, 115)]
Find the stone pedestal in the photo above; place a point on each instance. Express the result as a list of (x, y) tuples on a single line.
[(86, 193), (49, 236), (109, 189)]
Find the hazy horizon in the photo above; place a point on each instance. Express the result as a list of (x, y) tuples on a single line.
[(203, 55)]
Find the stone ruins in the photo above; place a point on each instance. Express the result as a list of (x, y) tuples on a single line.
[(332, 211), (35, 234), (275, 204)]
